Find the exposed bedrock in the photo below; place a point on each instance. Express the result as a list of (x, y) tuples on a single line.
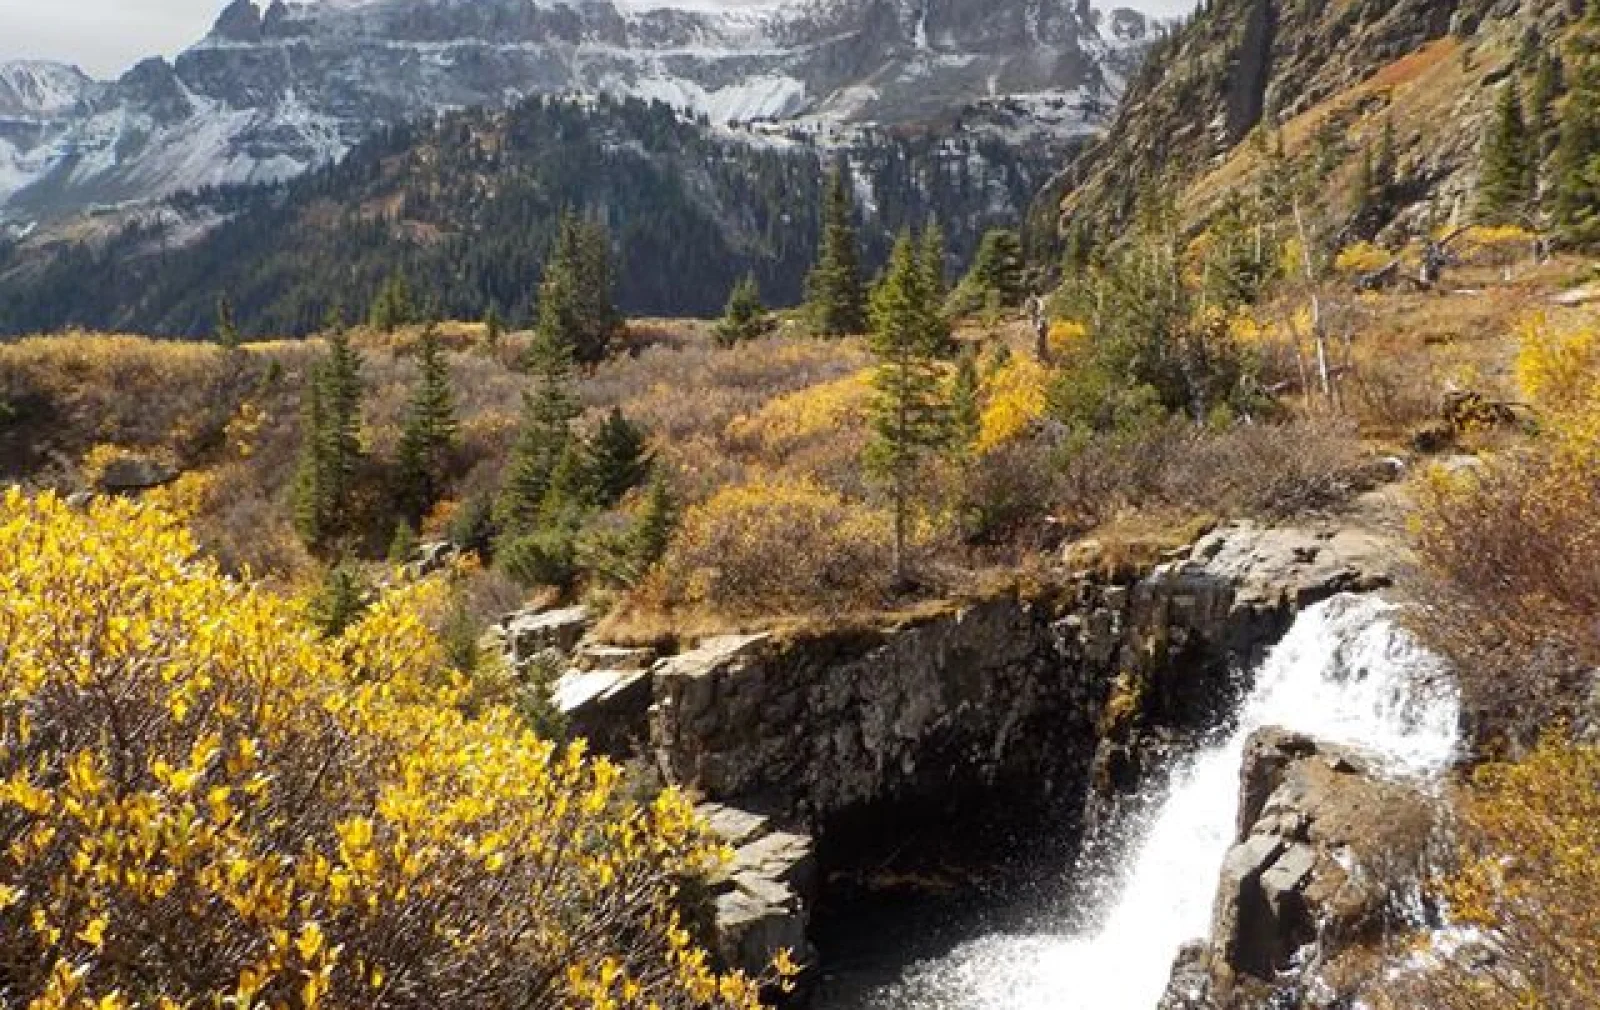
[(1061, 696), (1324, 865)]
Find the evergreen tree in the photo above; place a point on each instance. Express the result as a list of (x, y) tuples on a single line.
[(745, 316), (619, 459), (932, 257), (996, 276), (493, 326), (342, 392), (310, 495), (1576, 183), (330, 450), (1542, 123), (909, 415), (340, 601), (931, 260), (835, 299), (652, 529), (403, 545), (548, 411), (227, 330), (392, 308), (575, 292), (1505, 180), (427, 435), (966, 408)]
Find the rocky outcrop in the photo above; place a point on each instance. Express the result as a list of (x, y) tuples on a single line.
[(762, 901), (552, 634), (1325, 849), (1018, 695)]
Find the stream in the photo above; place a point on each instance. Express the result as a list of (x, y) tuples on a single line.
[(1102, 935)]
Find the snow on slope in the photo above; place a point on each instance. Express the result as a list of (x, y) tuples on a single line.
[(276, 89)]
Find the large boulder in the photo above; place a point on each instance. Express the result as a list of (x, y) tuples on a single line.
[(132, 473), (1325, 844), (529, 635)]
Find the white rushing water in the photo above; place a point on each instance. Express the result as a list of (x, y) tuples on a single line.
[(1345, 673)]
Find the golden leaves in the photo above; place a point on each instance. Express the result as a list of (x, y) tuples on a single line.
[(297, 822)]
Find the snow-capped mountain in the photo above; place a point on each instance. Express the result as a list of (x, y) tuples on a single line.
[(271, 92)]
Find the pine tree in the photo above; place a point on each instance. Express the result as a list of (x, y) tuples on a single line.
[(745, 316), (403, 545), (330, 451), (575, 293), (392, 308), (1577, 184), (932, 256), (341, 600), (652, 529), (835, 299), (619, 459), (966, 408), (427, 435), (493, 326), (227, 330), (996, 275), (310, 497), (1542, 123), (548, 411), (909, 415), (931, 260), (1505, 180), (342, 392)]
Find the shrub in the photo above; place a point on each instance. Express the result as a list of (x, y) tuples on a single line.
[(1362, 258), (1529, 878), (1513, 548), (1014, 401), (202, 801), (777, 546), (545, 557)]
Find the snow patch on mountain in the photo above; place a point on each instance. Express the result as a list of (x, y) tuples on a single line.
[(278, 88)]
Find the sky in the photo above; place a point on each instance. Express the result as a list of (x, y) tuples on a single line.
[(106, 37)]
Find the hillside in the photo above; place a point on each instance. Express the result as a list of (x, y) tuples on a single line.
[(1316, 83), (465, 208)]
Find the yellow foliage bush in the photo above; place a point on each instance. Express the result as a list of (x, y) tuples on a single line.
[(794, 419), (777, 546), (1014, 399), (1361, 258), (202, 803), (1514, 547), (1558, 368), (1529, 878)]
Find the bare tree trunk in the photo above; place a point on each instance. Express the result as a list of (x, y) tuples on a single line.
[(1316, 306)]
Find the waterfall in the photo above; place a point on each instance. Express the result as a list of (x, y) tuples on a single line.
[(1345, 673)]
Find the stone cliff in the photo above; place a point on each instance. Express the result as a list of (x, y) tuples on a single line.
[(1069, 693)]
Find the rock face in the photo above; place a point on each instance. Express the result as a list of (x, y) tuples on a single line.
[(762, 903), (1034, 695), (266, 95), (1324, 845)]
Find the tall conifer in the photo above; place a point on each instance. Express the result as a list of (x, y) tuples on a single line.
[(835, 298)]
